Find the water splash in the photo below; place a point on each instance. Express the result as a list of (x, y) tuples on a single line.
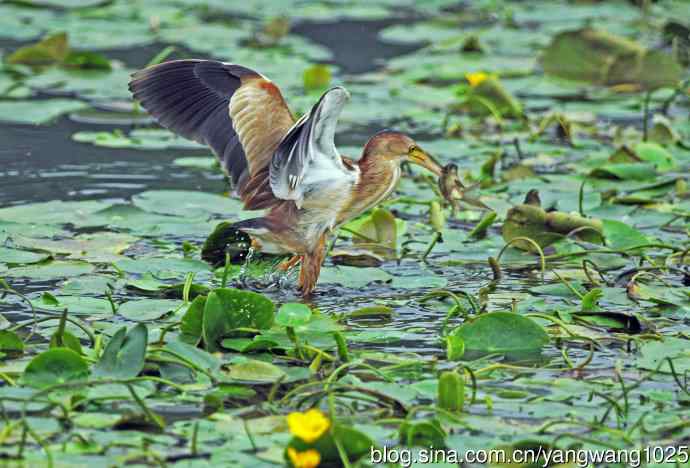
[(243, 275)]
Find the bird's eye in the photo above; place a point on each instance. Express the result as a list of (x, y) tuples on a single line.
[(412, 149)]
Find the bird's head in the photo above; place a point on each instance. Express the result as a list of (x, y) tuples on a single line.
[(398, 147)]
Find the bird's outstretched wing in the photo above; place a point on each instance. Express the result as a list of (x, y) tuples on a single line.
[(236, 111), (307, 155)]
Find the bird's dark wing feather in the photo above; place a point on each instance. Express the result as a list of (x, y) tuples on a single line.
[(237, 112)]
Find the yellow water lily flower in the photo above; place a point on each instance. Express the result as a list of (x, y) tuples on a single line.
[(307, 459), (476, 78), (308, 426)]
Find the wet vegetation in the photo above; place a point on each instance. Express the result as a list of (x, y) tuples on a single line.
[(551, 311)]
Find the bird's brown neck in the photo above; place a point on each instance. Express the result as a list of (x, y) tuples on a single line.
[(377, 178)]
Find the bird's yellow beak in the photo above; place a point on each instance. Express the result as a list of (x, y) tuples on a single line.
[(420, 157)]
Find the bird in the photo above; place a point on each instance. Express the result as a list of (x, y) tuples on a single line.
[(288, 167)]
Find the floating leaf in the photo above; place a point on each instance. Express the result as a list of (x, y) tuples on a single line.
[(66, 340), (620, 235), (192, 321), (10, 342), (37, 112), (79, 305), (87, 60), (293, 314), (227, 309), (655, 154), (54, 367), (147, 309), (379, 233), (590, 301), (599, 57), (51, 49), (625, 171), (490, 97), (198, 357), (317, 77), (545, 228), (55, 269), (502, 332), (353, 277), (256, 371), (186, 203), (123, 356), (14, 256)]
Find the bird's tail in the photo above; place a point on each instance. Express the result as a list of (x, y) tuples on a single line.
[(237, 239)]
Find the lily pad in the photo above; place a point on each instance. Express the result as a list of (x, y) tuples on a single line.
[(255, 371), (20, 256), (55, 269), (502, 332), (147, 309), (54, 367), (293, 315), (353, 277), (186, 203), (123, 356), (228, 309), (37, 112)]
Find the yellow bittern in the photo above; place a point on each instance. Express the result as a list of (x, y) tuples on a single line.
[(290, 168)]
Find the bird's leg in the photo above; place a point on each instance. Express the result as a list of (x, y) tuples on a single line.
[(285, 265), (311, 267)]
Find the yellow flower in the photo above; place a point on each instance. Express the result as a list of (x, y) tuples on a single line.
[(476, 78), (307, 459), (308, 426)]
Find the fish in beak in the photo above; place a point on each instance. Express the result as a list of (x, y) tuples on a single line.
[(454, 191)]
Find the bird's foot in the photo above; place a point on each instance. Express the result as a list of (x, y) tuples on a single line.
[(306, 282), (289, 263)]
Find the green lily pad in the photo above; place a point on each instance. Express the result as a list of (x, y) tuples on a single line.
[(123, 356), (144, 139), (502, 332), (37, 112), (147, 309), (55, 269), (255, 371), (353, 277), (10, 342), (52, 212), (620, 235), (162, 267), (293, 314), (55, 366), (186, 203), (192, 321), (228, 309), (20, 256), (79, 305)]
